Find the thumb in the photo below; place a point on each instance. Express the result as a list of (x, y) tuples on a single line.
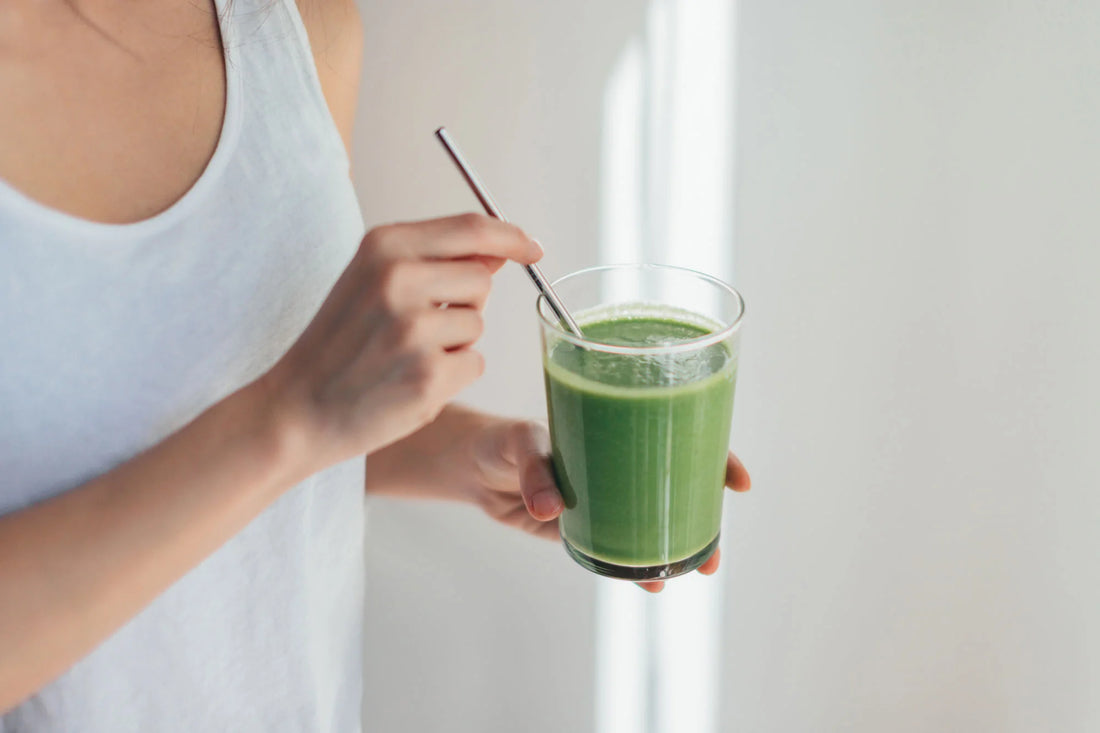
[(527, 447)]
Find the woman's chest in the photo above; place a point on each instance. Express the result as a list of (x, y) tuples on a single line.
[(112, 112), (110, 346)]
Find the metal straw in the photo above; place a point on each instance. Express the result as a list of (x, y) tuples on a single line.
[(494, 211)]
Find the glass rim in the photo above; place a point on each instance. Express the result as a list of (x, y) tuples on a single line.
[(680, 346)]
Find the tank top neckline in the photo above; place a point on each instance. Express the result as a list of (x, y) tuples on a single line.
[(25, 205)]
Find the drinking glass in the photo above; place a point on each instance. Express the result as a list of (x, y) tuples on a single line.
[(639, 411)]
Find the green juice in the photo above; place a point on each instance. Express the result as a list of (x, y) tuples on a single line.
[(640, 441)]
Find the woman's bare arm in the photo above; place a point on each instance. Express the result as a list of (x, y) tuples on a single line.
[(74, 568)]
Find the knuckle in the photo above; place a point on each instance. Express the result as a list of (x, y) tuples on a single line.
[(483, 278), (528, 428), (476, 224), (477, 325), (393, 280), (534, 436), (516, 233), (517, 238), (385, 237), (375, 239), (369, 243)]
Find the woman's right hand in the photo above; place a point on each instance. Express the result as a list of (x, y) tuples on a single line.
[(382, 357)]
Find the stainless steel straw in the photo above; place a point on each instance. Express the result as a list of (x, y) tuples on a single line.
[(494, 211)]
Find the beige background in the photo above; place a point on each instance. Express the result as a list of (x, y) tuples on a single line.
[(917, 241)]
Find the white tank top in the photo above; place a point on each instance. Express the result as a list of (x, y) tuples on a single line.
[(114, 336)]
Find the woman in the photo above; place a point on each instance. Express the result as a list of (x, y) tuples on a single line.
[(199, 346)]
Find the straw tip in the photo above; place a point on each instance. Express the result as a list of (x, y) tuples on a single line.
[(440, 131)]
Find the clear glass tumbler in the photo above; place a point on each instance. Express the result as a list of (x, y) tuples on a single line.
[(639, 412)]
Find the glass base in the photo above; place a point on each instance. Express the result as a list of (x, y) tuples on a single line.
[(642, 572)]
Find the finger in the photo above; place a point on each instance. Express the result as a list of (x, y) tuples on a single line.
[(525, 445), (452, 328), (520, 518), (540, 492), (522, 439), (463, 368), (465, 235), (653, 586), (710, 567), (464, 282), (493, 263), (737, 477)]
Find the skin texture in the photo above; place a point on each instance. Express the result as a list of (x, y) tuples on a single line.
[(133, 112), (111, 117)]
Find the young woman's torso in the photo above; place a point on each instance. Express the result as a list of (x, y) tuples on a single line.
[(170, 220)]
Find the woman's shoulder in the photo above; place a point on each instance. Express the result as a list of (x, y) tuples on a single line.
[(335, 30)]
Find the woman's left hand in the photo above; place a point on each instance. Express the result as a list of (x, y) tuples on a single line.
[(515, 485)]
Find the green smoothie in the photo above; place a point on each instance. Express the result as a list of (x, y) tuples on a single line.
[(640, 441)]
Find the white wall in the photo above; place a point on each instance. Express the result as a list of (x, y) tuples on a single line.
[(474, 627), (918, 244), (916, 239)]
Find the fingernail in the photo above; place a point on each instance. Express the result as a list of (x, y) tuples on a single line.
[(537, 248), (545, 503)]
